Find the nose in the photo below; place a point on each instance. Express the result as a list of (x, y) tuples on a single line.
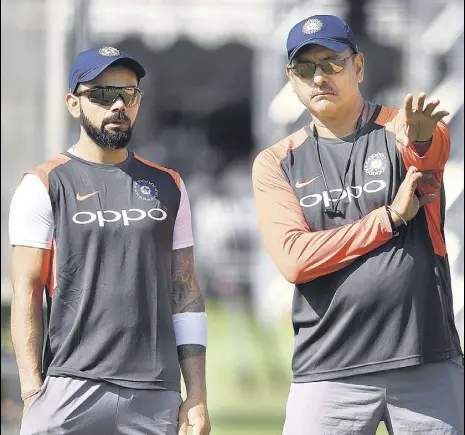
[(319, 77), (118, 105)]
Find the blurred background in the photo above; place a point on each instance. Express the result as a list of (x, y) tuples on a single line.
[(215, 95)]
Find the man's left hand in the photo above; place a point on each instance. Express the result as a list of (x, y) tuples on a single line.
[(193, 412), (419, 124)]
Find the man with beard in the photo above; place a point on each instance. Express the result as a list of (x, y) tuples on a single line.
[(108, 236)]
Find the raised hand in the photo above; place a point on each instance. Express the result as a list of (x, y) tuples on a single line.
[(419, 123)]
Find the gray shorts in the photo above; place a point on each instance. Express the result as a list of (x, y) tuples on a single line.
[(422, 400), (81, 406)]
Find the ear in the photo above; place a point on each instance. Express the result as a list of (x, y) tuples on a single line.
[(359, 62), (74, 105)]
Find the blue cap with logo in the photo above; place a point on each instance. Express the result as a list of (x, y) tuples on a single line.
[(326, 30), (90, 63)]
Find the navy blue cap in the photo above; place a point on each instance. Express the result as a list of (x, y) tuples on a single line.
[(326, 30), (90, 63)]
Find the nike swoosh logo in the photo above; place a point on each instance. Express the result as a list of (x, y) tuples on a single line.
[(80, 197), (299, 185)]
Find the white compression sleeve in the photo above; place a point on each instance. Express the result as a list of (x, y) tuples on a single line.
[(190, 328)]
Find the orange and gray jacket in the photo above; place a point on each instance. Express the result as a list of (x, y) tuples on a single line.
[(364, 300)]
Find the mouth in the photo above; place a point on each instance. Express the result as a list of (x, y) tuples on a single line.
[(323, 94), (117, 124)]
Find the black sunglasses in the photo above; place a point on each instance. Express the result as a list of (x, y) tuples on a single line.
[(107, 95), (306, 70)]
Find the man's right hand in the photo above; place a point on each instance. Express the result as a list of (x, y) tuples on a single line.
[(406, 203)]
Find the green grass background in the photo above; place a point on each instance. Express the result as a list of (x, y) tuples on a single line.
[(248, 374)]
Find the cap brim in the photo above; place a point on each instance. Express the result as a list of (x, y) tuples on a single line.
[(332, 44), (126, 61)]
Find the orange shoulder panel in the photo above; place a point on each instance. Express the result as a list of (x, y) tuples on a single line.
[(174, 174), (42, 171)]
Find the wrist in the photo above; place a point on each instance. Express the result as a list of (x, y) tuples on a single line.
[(30, 393), (397, 219), (394, 219), (422, 142), (199, 394)]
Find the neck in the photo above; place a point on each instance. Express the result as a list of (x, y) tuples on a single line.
[(343, 123), (88, 150)]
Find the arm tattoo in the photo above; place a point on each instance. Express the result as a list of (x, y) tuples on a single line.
[(186, 296), (190, 350)]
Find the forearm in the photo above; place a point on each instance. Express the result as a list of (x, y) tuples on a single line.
[(192, 356), (305, 256), (431, 155), (192, 362), (188, 307), (27, 329), (299, 253)]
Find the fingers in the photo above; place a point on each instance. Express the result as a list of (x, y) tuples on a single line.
[(412, 177), (200, 429), (183, 429), (429, 178), (426, 199), (408, 107), (183, 424), (411, 171), (439, 115), (421, 101), (430, 107), (420, 107)]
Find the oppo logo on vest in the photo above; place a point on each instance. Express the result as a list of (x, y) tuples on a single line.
[(349, 192), (104, 217)]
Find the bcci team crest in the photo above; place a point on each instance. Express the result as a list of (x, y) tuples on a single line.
[(145, 190), (376, 164), (109, 51), (313, 25)]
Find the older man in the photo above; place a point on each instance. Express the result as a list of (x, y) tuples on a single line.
[(351, 209)]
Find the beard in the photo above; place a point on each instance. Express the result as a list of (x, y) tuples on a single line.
[(106, 139)]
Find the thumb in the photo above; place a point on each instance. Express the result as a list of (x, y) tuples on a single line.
[(426, 199), (410, 171), (412, 178)]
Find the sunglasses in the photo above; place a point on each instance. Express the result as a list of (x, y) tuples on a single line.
[(107, 95), (306, 70)]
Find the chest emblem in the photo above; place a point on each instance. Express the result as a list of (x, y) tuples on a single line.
[(376, 164), (145, 190)]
